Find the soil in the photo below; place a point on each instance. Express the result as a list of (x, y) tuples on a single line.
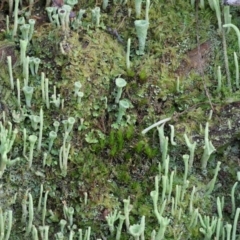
[(196, 60)]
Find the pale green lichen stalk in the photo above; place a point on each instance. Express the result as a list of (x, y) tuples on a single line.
[(6, 222), (208, 149), (138, 7), (7, 138)]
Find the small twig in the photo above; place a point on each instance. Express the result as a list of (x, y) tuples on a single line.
[(115, 34), (121, 23), (29, 6)]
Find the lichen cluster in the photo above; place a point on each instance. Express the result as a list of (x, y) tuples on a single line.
[(74, 165)]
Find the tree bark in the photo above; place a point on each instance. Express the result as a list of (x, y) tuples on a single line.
[(231, 2)]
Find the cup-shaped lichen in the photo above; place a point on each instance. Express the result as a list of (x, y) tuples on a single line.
[(71, 2), (49, 13), (136, 230), (80, 14), (68, 10), (77, 86), (62, 15), (79, 96), (120, 83), (35, 120), (28, 92), (96, 16), (32, 24), (71, 121), (123, 106), (32, 139), (56, 125), (25, 28), (36, 62), (141, 28), (52, 137)]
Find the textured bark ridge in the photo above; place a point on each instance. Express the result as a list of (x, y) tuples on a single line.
[(231, 2)]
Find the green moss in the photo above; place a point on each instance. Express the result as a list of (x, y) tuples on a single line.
[(143, 76), (139, 146)]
